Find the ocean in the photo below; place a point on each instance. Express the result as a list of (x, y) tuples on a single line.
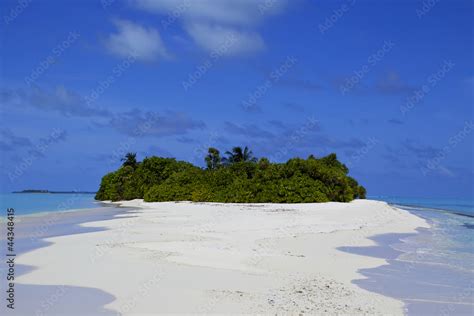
[(432, 271), (31, 203), (463, 206)]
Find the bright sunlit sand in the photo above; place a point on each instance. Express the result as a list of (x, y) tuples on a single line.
[(220, 258)]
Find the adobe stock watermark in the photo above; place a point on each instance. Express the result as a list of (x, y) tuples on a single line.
[(275, 75), (52, 58), (431, 82), (49, 302), (143, 291), (453, 142), (116, 73), (120, 236), (465, 295), (16, 11), (357, 156), (268, 247), (296, 137), (208, 307), (175, 14), (205, 66), (426, 7), (200, 151), (126, 145), (336, 15), (38, 151), (107, 3), (266, 5), (372, 61), (47, 222)]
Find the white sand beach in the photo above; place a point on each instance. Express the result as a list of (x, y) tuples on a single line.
[(224, 258)]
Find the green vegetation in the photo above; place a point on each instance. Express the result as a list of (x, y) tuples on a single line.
[(238, 178)]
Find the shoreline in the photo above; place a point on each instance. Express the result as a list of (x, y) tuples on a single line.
[(428, 270), (48, 213), (190, 239)]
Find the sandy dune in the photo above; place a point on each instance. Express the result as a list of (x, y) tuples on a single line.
[(223, 258)]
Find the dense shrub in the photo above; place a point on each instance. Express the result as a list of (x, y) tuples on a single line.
[(239, 179)]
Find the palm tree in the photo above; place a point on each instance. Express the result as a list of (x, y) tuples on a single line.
[(130, 159), (239, 155), (213, 158)]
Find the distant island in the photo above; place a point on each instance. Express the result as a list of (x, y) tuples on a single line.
[(54, 192), (236, 178)]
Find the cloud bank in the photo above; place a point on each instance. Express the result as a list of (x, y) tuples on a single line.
[(134, 122), (210, 23), (134, 40)]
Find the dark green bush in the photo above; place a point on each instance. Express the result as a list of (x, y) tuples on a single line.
[(242, 181)]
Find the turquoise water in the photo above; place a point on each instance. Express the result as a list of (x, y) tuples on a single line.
[(431, 271), (451, 233), (30, 203), (464, 205)]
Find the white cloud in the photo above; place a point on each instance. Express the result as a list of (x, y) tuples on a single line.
[(210, 23), (60, 100), (135, 40), (224, 40), (238, 12)]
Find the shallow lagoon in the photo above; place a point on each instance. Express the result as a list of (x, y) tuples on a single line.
[(431, 271)]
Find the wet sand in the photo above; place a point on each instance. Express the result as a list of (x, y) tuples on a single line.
[(427, 270), (31, 232)]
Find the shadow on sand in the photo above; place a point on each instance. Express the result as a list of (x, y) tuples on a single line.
[(30, 234), (427, 288)]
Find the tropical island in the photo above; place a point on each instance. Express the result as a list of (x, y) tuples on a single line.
[(42, 191), (238, 177)]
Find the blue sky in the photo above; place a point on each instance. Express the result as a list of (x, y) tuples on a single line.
[(387, 85)]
